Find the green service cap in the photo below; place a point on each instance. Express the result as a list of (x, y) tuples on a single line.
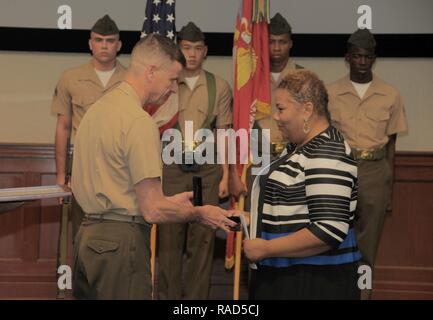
[(105, 26), (362, 38), (279, 25), (190, 32)]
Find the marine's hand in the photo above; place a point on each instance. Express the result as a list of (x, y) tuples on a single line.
[(255, 249), (223, 190), (215, 217), (236, 187), (60, 180)]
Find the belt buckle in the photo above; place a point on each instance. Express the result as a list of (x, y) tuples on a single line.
[(367, 155), (190, 146)]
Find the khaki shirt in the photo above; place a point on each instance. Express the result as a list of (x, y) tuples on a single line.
[(366, 123), (269, 122), (80, 87), (194, 104), (117, 145)]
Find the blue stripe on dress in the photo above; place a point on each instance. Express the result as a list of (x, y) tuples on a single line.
[(349, 242)]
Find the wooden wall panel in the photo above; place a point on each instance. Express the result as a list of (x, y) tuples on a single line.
[(28, 244), (404, 267), (11, 222), (28, 235)]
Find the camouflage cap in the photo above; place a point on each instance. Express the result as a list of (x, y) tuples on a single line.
[(362, 38), (190, 32), (279, 25), (105, 26)]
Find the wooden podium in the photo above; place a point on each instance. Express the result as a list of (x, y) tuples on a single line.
[(12, 198)]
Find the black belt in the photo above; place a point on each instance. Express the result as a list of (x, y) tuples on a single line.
[(111, 216)]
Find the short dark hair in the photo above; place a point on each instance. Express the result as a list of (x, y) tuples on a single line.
[(155, 46), (305, 86)]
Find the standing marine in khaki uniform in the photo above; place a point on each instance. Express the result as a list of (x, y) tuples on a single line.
[(117, 180), (195, 104), (370, 114), (78, 88), (280, 44)]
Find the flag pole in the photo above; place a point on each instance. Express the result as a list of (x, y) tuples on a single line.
[(239, 236), (153, 257), (237, 278)]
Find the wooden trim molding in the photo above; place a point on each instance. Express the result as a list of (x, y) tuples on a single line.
[(20, 158), (26, 151), (47, 151)]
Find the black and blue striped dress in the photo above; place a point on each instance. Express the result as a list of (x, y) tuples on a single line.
[(314, 187)]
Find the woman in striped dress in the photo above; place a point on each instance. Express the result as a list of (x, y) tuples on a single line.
[(302, 207)]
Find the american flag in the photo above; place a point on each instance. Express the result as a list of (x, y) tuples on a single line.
[(160, 18)]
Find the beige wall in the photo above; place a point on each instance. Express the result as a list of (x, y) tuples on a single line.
[(27, 82)]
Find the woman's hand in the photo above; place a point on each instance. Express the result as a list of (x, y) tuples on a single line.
[(256, 249)]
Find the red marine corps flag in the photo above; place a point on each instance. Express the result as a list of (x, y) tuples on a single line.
[(160, 18), (252, 92), (251, 86)]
